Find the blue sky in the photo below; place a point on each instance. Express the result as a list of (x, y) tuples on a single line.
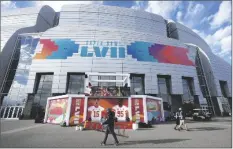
[(210, 19)]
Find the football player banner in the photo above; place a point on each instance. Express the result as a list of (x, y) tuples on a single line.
[(96, 108)]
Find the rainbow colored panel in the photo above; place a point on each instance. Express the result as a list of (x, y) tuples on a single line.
[(57, 49)]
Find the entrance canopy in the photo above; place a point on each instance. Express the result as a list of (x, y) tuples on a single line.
[(121, 88), (120, 78)]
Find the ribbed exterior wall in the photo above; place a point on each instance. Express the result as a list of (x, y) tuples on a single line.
[(82, 23), (221, 69)]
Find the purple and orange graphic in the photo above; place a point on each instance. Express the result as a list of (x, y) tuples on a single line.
[(57, 110), (170, 54)]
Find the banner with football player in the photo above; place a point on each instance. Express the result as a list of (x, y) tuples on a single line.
[(57, 110), (76, 111), (96, 109)]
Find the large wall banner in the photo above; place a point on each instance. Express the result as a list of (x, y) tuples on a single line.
[(154, 110), (57, 110), (137, 109), (96, 109), (76, 111)]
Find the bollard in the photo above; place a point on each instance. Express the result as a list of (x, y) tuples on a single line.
[(76, 128)]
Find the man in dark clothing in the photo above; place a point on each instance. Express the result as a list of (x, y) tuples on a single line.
[(177, 120), (110, 127)]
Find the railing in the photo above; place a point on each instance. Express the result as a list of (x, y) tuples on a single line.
[(11, 112)]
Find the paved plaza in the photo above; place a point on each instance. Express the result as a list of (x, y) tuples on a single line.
[(25, 133)]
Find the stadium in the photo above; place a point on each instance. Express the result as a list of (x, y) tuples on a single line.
[(123, 51)]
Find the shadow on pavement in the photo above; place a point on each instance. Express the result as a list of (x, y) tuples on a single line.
[(160, 141), (205, 129)]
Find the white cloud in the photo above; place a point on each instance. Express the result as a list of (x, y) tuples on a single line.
[(7, 5), (222, 33), (225, 45), (179, 16), (138, 5), (56, 5), (207, 19), (163, 8), (193, 14), (223, 15), (219, 42), (193, 10)]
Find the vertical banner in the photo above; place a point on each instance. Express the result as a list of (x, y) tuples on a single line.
[(57, 110), (137, 109), (154, 109), (77, 110)]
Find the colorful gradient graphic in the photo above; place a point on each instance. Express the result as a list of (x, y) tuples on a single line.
[(57, 110), (77, 111), (105, 103), (142, 51), (57, 49), (153, 109), (145, 51), (137, 109), (170, 54)]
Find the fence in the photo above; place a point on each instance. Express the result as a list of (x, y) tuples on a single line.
[(11, 112)]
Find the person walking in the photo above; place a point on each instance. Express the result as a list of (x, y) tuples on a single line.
[(182, 123), (110, 127), (177, 120)]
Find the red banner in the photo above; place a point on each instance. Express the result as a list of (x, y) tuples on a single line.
[(76, 111), (137, 109)]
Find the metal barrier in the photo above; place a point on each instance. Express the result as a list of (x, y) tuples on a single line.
[(11, 112)]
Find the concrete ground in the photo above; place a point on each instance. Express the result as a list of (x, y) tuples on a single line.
[(24, 134)]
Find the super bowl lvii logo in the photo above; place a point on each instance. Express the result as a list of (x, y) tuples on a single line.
[(139, 50), (101, 49)]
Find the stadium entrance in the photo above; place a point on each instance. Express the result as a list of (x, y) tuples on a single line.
[(91, 106)]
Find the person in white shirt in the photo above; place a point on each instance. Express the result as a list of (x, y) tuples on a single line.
[(121, 111), (96, 112), (182, 123)]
